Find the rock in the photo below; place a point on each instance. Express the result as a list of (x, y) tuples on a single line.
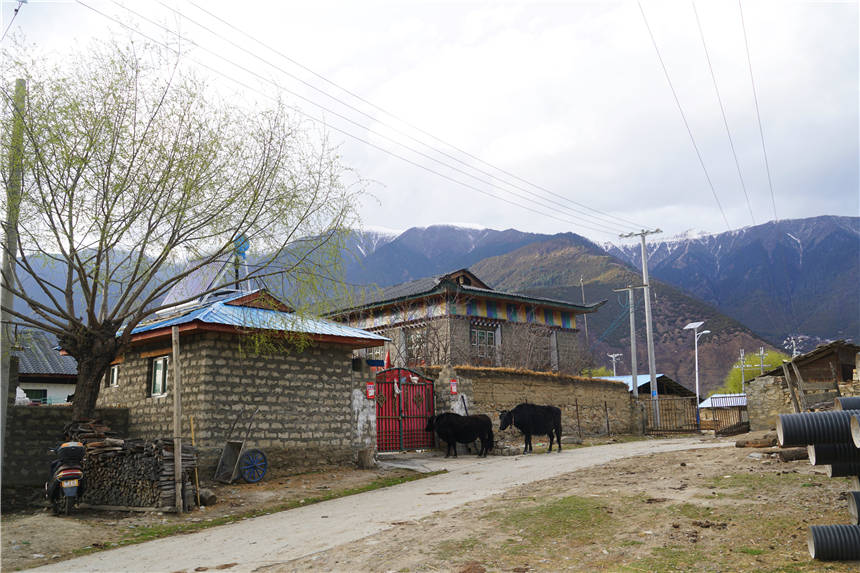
[(571, 440), (207, 497)]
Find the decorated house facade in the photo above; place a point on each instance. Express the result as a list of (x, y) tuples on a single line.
[(458, 319)]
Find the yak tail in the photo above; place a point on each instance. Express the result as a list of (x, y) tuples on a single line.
[(490, 439)]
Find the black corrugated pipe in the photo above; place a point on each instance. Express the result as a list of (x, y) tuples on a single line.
[(834, 542), (823, 454), (854, 424), (853, 505), (843, 470), (815, 427), (847, 403)]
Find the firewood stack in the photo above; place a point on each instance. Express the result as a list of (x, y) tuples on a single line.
[(132, 472)]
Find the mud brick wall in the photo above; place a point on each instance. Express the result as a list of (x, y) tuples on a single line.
[(30, 432), (305, 399), (489, 390)]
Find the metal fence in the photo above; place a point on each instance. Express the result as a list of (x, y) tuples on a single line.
[(727, 415), (670, 415)]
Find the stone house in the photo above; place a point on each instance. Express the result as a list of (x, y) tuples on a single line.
[(44, 375), (458, 319), (827, 371), (246, 351)]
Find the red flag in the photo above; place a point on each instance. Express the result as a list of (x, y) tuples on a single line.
[(387, 360)]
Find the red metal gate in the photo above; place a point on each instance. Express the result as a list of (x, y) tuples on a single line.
[(404, 401)]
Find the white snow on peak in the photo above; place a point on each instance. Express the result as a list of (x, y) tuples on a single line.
[(799, 247), (388, 232)]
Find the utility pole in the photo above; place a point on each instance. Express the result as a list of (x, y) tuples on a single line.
[(633, 361), (761, 355), (614, 358), (649, 331), (584, 316), (14, 191)]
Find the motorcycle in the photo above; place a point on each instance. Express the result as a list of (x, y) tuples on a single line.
[(67, 483)]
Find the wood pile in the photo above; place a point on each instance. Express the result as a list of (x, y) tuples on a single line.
[(131, 472)]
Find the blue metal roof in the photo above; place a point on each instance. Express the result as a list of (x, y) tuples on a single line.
[(724, 401), (222, 313)]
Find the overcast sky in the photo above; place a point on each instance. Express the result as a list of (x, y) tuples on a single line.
[(561, 108)]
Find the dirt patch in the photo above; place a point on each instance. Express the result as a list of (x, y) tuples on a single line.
[(698, 510), (36, 537)]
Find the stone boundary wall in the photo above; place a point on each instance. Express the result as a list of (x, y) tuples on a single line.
[(488, 390), (30, 432)]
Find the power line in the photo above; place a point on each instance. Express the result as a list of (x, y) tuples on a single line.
[(531, 196), (684, 117), (757, 112), (339, 130), (14, 15), (378, 108), (722, 111)]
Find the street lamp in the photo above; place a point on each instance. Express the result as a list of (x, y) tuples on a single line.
[(696, 334)]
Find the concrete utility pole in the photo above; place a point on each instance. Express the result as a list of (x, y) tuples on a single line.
[(14, 190), (634, 373), (649, 331), (614, 358), (761, 355)]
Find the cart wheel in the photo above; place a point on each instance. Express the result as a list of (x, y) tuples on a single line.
[(252, 466)]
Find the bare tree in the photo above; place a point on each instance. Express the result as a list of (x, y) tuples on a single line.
[(135, 176)]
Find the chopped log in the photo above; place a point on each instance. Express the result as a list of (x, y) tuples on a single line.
[(792, 454), (756, 443)]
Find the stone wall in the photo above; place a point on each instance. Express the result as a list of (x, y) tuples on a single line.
[(767, 397), (30, 432), (306, 400), (584, 402)]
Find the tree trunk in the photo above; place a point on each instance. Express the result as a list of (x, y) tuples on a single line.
[(94, 350)]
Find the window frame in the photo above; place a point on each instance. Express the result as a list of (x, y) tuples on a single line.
[(112, 376), (165, 360), (482, 340)]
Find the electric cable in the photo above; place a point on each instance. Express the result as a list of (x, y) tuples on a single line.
[(684, 117), (378, 108), (757, 111), (575, 213), (14, 15), (723, 111), (342, 131)]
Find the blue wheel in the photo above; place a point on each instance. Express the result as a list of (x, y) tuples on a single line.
[(253, 465)]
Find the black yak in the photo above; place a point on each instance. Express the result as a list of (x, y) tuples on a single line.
[(532, 419), (452, 428)]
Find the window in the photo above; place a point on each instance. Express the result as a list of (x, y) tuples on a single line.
[(158, 376), (483, 342), (38, 396), (112, 376)]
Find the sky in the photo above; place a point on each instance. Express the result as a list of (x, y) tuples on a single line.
[(540, 116)]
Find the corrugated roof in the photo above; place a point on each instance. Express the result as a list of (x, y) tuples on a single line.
[(40, 356), (642, 380), (222, 313), (724, 401)]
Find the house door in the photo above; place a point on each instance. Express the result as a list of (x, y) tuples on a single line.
[(404, 401)]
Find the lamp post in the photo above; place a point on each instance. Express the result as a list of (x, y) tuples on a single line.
[(696, 334)]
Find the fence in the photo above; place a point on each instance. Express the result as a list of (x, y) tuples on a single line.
[(670, 415), (727, 415)]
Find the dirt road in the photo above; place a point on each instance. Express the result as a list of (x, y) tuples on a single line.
[(270, 540)]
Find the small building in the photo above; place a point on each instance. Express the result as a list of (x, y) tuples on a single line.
[(44, 375), (826, 372), (458, 319), (247, 352), (665, 385)]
